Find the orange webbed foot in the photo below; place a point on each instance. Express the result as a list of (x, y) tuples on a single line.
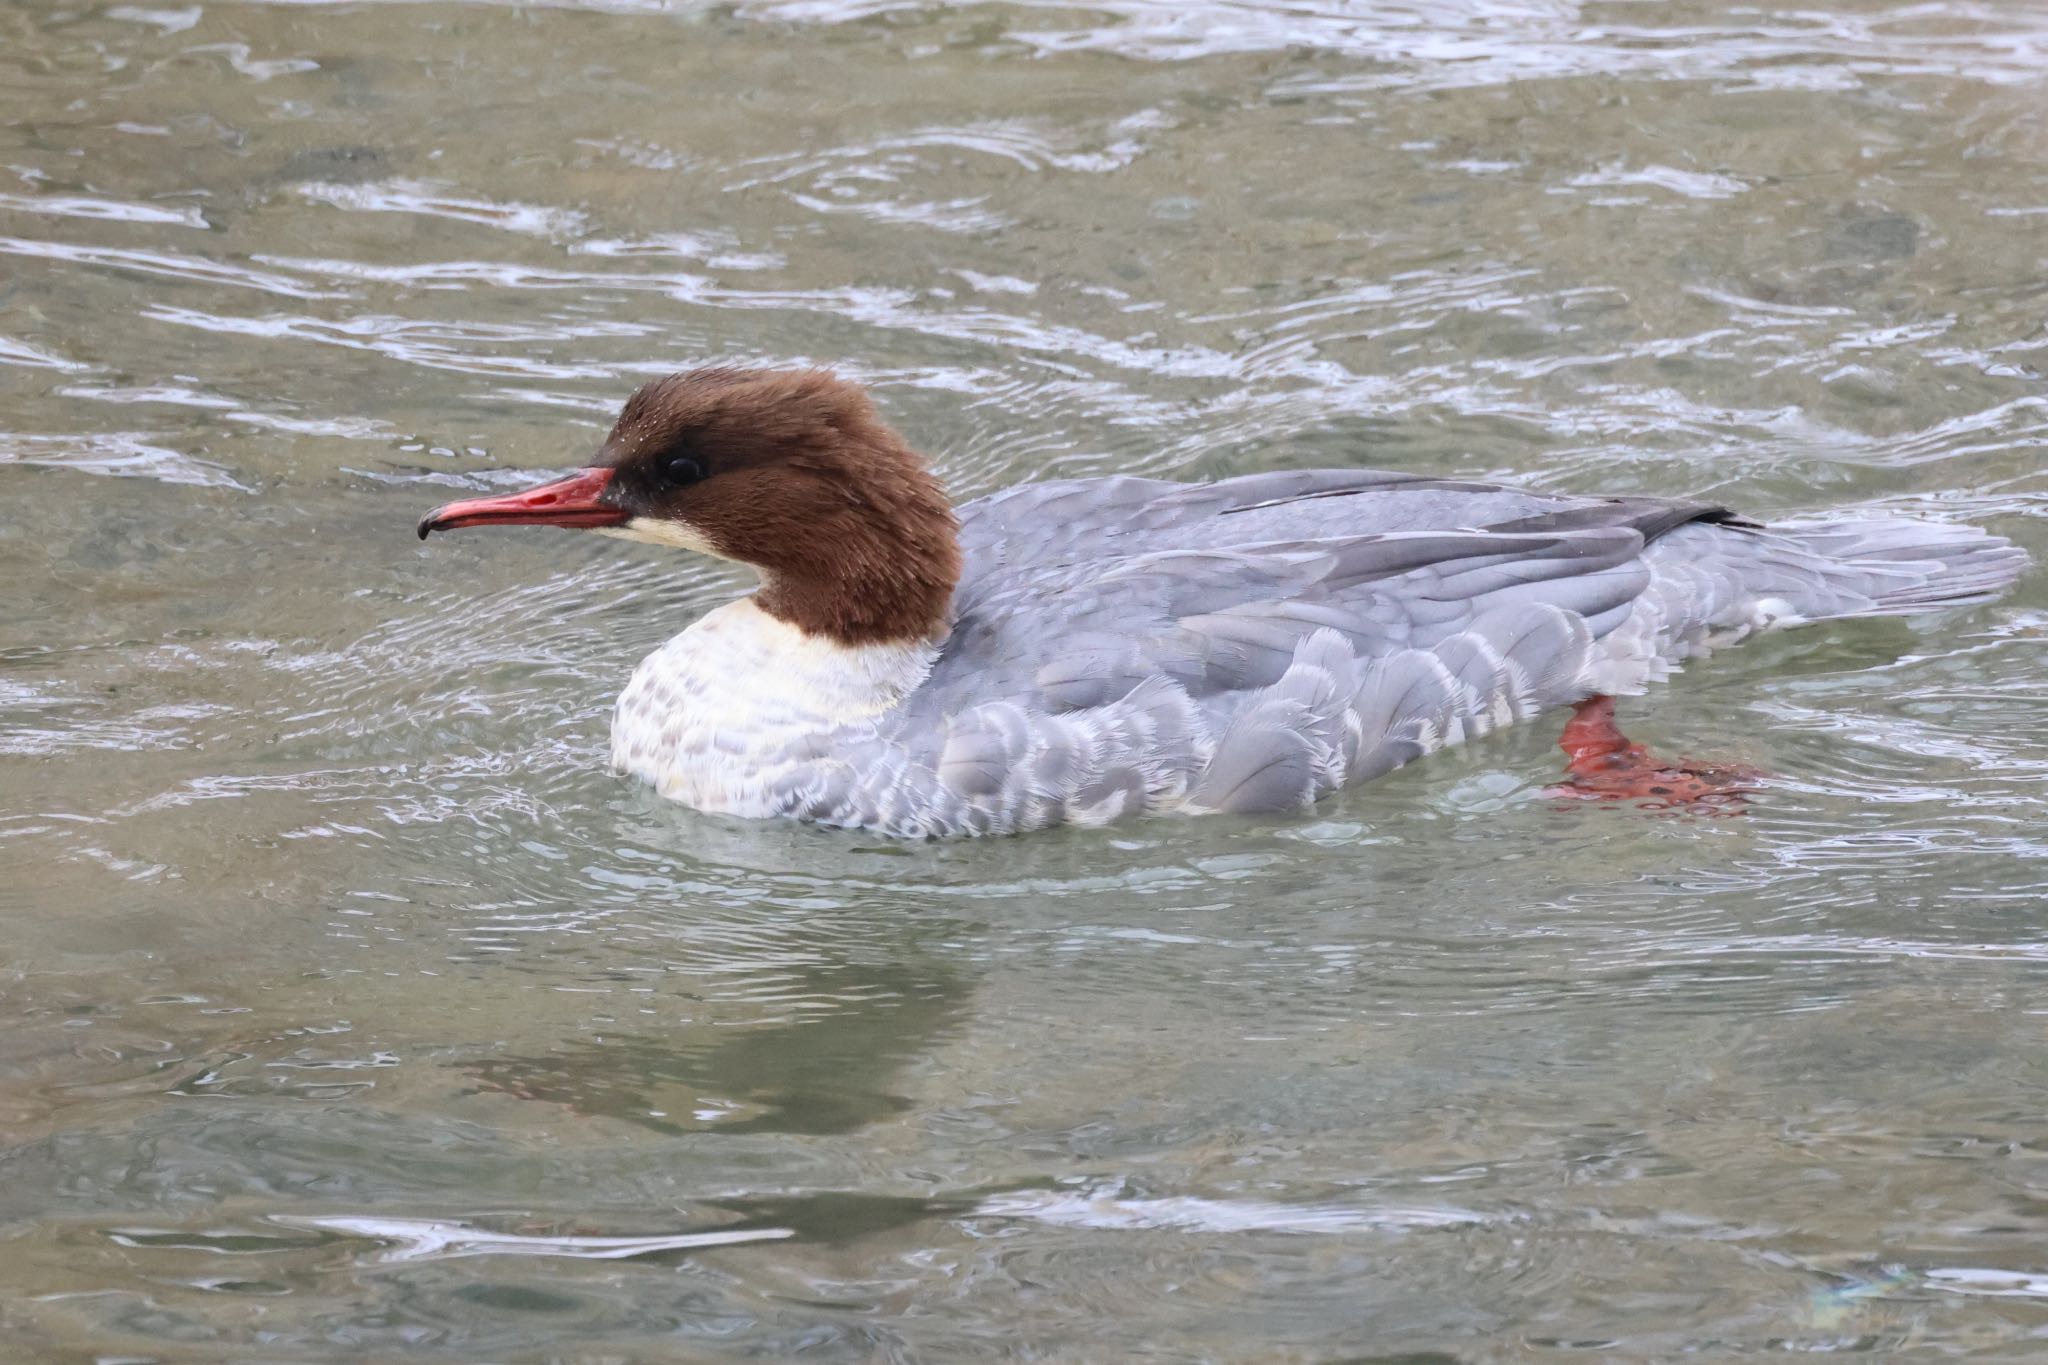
[(1603, 765)]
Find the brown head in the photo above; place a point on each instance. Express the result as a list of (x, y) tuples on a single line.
[(792, 472)]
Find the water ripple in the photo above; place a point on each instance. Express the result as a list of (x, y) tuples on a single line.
[(105, 210), (174, 265), (120, 454), (435, 201)]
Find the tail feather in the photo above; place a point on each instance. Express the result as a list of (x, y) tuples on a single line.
[(1711, 585), (1897, 566)]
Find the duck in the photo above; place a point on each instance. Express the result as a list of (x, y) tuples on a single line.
[(1085, 651)]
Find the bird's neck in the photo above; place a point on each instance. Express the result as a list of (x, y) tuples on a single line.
[(879, 570)]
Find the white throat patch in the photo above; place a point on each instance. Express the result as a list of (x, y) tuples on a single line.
[(677, 535)]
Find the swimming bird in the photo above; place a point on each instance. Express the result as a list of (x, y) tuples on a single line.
[(1081, 651)]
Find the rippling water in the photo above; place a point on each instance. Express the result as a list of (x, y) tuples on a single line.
[(351, 1011)]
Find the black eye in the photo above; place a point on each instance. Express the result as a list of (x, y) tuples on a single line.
[(678, 471)]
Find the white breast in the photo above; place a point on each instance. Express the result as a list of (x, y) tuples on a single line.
[(732, 714)]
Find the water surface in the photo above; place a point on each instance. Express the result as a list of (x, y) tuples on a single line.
[(351, 1011)]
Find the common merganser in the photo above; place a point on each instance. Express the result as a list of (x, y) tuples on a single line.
[(1088, 650)]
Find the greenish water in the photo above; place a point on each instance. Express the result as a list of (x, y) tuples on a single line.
[(350, 1011)]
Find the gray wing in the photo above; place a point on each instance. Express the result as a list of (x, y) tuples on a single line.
[(1219, 622), (1082, 586), (1255, 677), (1089, 521)]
